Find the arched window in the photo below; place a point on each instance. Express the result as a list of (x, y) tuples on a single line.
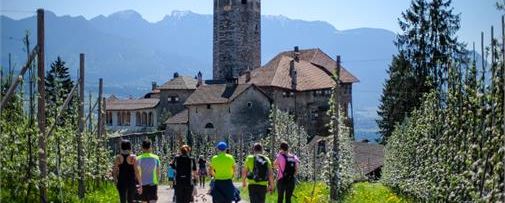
[(119, 118), (128, 118), (209, 125), (150, 119), (109, 118), (144, 118), (138, 119)]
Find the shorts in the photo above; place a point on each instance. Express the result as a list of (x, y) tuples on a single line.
[(202, 172), (149, 192), (170, 178)]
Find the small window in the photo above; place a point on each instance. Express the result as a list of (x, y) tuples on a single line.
[(208, 106), (249, 104), (244, 1), (209, 125)]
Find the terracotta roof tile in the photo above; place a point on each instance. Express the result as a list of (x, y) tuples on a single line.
[(276, 73), (319, 58), (216, 94), (368, 156), (178, 83), (179, 118), (131, 104)]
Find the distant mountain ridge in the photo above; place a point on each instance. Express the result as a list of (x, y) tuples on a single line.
[(130, 52)]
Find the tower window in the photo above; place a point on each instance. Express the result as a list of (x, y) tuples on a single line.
[(208, 106), (249, 104), (244, 1)]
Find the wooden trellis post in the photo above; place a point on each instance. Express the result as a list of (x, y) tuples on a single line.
[(41, 110), (80, 152)]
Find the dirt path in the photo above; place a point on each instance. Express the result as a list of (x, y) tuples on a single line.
[(165, 194)]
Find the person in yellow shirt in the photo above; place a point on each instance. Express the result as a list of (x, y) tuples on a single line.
[(222, 167), (259, 174)]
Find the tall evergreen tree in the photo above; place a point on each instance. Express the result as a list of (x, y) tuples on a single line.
[(395, 103), (427, 44), (58, 85)]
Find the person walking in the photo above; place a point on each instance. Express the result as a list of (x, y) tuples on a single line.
[(126, 173), (259, 174), (222, 167), (171, 176), (287, 167), (149, 166), (202, 171), (185, 169)]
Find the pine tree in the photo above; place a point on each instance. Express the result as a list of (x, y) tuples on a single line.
[(395, 104), (58, 85)]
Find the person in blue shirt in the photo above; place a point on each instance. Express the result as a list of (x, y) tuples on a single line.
[(170, 175)]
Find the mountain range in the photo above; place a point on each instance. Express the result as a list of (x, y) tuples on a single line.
[(129, 52)]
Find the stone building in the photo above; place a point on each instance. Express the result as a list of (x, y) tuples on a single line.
[(237, 39), (147, 113), (174, 93), (300, 82), (228, 109), (238, 98)]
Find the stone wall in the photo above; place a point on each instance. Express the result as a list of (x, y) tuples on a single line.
[(171, 105), (237, 41), (247, 114), (310, 106)]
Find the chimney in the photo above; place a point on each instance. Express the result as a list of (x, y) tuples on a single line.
[(176, 75), (154, 85), (199, 79), (296, 54), (247, 76), (292, 74)]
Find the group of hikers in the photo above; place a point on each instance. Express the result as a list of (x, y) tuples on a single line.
[(137, 177)]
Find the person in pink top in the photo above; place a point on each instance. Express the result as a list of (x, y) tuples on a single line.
[(287, 167)]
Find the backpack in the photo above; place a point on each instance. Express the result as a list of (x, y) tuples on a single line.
[(260, 169), (183, 166), (289, 168)]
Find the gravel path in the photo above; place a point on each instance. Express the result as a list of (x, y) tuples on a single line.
[(165, 194)]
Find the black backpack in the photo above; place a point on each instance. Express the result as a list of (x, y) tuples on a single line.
[(260, 169), (183, 167), (289, 169)]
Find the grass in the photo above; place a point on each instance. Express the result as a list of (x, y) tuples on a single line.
[(358, 193), (107, 193), (305, 192), (373, 192)]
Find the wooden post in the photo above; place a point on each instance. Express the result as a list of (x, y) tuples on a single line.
[(80, 153), (503, 65), (90, 112), (100, 108), (335, 176), (503, 75), (99, 125), (41, 111)]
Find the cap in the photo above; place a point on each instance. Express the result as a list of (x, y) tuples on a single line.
[(221, 146)]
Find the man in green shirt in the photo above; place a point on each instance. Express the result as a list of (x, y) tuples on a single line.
[(259, 174), (222, 167)]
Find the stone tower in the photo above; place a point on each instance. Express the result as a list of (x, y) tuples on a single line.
[(237, 41)]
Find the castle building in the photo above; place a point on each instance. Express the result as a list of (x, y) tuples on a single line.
[(238, 99)]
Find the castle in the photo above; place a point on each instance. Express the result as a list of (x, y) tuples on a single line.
[(238, 99)]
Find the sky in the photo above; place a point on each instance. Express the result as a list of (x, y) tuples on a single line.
[(476, 15)]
